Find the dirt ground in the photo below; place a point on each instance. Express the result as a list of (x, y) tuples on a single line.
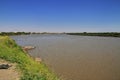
[(10, 73)]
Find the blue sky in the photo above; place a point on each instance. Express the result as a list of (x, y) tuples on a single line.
[(60, 15)]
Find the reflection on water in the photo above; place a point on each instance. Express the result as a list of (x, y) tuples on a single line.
[(77, 57)]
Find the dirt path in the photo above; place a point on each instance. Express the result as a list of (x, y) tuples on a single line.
[(10, 73)]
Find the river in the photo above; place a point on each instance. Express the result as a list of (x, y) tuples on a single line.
[(76, 57)]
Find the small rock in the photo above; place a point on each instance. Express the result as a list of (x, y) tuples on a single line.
[(28, 47), (38, 59), (4, 66)]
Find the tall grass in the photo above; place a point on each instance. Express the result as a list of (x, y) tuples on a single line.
[(30, 69)]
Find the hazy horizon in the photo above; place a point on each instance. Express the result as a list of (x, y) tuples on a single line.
[(59, 15)]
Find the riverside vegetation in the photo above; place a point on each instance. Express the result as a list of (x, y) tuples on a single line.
[(104, 34), (29, 68)]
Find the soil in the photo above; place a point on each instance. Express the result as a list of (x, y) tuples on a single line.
[(9, 74)]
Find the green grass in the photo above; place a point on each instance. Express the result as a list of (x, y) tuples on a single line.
[(30, 69)]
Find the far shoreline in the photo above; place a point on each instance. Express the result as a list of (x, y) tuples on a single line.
[(105, 34), (99, 34)]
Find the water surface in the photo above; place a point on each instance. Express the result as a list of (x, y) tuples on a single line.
[(77, 57)]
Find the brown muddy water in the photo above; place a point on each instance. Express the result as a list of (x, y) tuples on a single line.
[(77, 57)]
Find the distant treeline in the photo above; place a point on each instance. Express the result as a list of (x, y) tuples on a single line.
[(23, 33), (14, 33), (105, 34)]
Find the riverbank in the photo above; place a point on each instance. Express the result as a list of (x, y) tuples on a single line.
[(106, 34), (11, 73), (29, 68)]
